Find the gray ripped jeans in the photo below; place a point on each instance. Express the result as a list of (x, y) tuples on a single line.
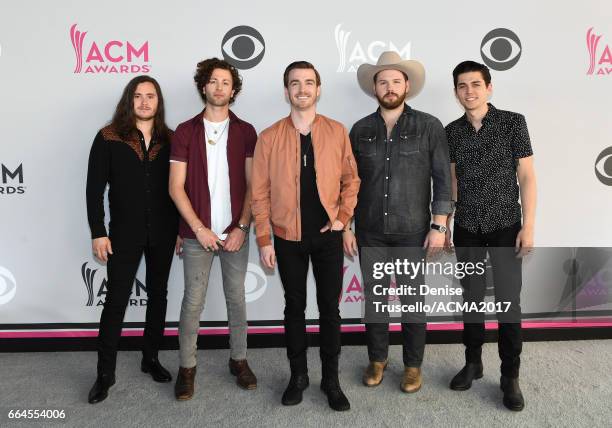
[(197, 264)]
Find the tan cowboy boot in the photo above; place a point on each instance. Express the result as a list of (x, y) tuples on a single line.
[(412, 379), (373, 374)]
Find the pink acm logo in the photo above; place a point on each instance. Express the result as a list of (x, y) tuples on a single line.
[(353, 292), (111, 57), (352, 289), (600, 56)]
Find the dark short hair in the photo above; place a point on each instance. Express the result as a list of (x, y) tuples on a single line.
[(376, 74), (205, 69), (303, 65), (469, 66), (124, 119)]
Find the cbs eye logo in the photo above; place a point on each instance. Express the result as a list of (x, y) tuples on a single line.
[(603, 167), (500, 49), (8, 286), (243, 47), (255, 283)]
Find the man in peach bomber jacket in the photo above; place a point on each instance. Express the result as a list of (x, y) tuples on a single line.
[(305, 185)]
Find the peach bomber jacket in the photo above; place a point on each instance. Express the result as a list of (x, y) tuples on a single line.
[(275, 182)]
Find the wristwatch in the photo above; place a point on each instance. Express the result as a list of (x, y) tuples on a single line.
[(243, 227), (440, 228)]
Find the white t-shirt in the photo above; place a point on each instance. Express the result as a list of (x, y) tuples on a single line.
[(218, 176)]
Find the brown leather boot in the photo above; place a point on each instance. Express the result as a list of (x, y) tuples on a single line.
[(244, 376), (183, 389), (412, 379), (373, 374)]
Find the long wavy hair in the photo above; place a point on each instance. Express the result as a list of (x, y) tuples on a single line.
[(124, 119)]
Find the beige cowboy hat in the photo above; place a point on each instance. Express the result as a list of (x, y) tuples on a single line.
[(391, 60)]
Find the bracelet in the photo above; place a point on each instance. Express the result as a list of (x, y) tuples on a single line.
[(198, 229), (243, 227)]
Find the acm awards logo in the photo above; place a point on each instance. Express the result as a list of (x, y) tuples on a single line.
[(501, 49), (243, 47), (600, 57), (8, 286), (603, 167), (353, 292), (11, 180), (352, 55), (96, 289), (110, 57)]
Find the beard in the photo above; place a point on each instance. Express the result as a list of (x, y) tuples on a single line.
[(144, 118), (391, 104), (217, 102)]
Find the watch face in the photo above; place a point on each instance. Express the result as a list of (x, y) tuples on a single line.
[(439, 228)]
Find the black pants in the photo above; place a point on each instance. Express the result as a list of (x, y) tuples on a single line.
[(507, 279), (325, 252), (121, 270), (375, 248)]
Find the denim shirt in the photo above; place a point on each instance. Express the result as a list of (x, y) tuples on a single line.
[(396, 174)]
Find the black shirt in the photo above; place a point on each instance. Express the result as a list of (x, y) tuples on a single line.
[(140, 207), (312, 214), (486, 162)]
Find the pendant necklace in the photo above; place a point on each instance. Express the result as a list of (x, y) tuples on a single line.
[(210, 140), (306, 152)]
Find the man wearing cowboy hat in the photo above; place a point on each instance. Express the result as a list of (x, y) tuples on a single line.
[(400, 152)]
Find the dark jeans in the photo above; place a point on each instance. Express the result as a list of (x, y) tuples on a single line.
[(325, 252), (121, 270), (379, 247), (507, 279)]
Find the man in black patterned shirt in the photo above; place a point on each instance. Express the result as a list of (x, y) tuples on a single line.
[(489, 150), (131, 155)]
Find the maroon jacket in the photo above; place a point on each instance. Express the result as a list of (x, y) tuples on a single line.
[(188, 146)]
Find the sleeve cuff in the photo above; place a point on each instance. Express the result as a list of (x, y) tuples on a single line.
[(441, 207), (263, 240), (343, 217), (178, 158), (98, 232)]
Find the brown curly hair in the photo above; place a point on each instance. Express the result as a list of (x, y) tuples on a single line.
[(205, 70)]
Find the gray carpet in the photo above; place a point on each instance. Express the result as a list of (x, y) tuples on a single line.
[(564, 383)]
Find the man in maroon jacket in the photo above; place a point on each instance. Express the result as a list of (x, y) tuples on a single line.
[(210, 184)]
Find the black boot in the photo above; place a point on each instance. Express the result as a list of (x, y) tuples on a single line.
[(513, 397), (297, 384), (155, 369), (463, 379), (99, 390), (335, 397)]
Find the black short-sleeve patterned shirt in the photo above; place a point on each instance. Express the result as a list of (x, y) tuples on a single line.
[(485, 165)]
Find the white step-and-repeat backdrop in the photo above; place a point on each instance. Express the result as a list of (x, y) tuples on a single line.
[(63, 65)]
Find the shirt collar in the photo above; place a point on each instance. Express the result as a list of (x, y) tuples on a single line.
[(490, 116), (407, 110)]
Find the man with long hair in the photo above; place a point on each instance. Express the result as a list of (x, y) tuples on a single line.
[(305, 184), (131, 155), (210, 184)]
